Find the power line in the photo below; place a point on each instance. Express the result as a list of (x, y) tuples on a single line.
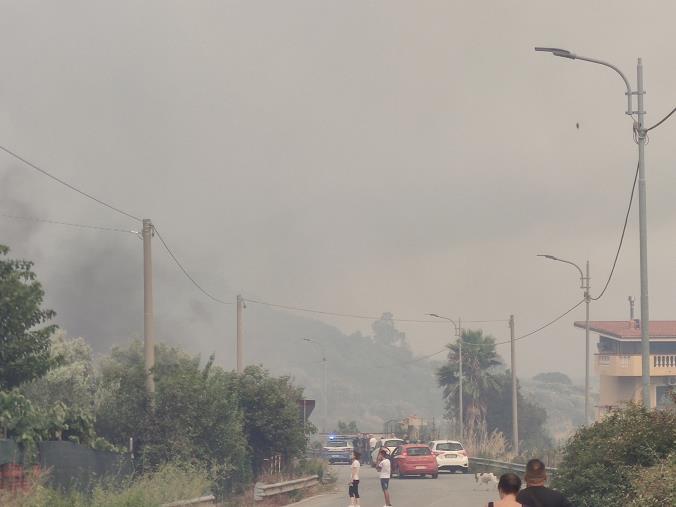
[(624, 229), (59, 180), (69, 224), (662, 120), (185, 271), (356, 316)]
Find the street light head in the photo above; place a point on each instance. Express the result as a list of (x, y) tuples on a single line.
[(547, 256), (433, 315), (563, 53)]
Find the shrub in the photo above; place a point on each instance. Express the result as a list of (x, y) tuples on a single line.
[(601, 461)]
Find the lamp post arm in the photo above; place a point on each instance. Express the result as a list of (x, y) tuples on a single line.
[(629, 93)]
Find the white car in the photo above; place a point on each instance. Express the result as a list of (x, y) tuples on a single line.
[(338, 450), (451, 455), (388, 443)]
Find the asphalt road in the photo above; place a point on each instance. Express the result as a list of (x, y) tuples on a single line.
[(449, 490)]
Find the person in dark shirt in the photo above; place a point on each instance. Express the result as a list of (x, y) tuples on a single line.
[(536, 494)]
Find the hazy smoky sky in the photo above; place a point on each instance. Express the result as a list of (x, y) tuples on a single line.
[(350, 156)]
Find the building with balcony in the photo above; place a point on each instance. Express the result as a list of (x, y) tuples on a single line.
[(618, 361)]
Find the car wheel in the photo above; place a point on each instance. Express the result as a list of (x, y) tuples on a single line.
[(435, 476)]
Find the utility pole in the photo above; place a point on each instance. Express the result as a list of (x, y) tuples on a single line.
[(240, 331), (148, 312), (326, 395), (643, 238), (458, 333), (587, 299), (515, 414)]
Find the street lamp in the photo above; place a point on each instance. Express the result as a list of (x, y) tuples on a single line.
[(324, 389), (584, 285), (458, 334), (640, 134)]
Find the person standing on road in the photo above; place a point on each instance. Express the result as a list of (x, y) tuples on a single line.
[(385, 468), (353, 489), (508, 487), (536, 494)]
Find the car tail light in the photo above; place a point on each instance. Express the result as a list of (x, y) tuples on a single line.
[(463, 452)]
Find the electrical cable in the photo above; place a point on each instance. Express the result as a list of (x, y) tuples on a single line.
[(619, 246), (185, 271), (59, 180), (357, 316), (661, 121), (69, 224)]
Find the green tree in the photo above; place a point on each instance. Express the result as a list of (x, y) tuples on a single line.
[(345, 428), (24, 354), (532, 417), (272, 421), (385, 333), (196, 416), (602, 461), (479, 374), (553, 377), (72, 381)]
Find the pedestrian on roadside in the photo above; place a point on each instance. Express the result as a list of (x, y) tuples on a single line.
[(508, 487), (353, 489), (385, 468), (536, 494)]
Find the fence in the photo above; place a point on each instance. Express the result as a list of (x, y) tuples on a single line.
[(69, 465), (262, 490)]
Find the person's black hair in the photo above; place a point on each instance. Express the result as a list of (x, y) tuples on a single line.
[(509, 483), (357, 454), (535, 471)]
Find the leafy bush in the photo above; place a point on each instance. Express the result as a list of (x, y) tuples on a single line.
[(601, 461), (655, 486)]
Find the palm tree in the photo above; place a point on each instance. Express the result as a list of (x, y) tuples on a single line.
[(479, 362)]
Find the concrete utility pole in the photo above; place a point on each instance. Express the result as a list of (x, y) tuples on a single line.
[(515, 411), (148, 312), (458, 333), (640, 134), (240, 333), (585, 286), (325, 405)]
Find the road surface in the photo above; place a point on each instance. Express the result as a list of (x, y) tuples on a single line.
[(449, 490)]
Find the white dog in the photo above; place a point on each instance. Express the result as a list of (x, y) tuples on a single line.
[(486, 478)]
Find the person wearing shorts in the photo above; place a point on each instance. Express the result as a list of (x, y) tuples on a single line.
[(384, 467), (353, 489)]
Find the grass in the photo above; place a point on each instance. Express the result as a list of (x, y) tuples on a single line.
[(170, 483)]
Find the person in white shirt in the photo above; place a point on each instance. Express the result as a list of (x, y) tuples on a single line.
[(384, 467), (353, 490), (372, 442)]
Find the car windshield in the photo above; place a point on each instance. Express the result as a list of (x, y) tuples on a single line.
[(336, 443), (449, 446), (418, 451), (391, 443)]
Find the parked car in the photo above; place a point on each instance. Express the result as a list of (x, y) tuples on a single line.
[(338, 450), (450, 455), (388, 443), (414, 459)]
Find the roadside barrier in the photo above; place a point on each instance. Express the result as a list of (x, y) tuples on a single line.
[(202, 501), (262, 490), (504, 466)]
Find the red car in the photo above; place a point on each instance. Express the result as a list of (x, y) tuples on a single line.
[(414, 459)]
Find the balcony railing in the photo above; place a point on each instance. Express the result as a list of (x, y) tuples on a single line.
[(664, 361), (630, 364)]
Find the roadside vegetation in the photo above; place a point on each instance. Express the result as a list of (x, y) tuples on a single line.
[(205, 429), (628, 458), (487, 400)]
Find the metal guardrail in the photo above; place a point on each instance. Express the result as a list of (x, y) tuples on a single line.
[(504, 465), (202, 501), (262, 490)]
